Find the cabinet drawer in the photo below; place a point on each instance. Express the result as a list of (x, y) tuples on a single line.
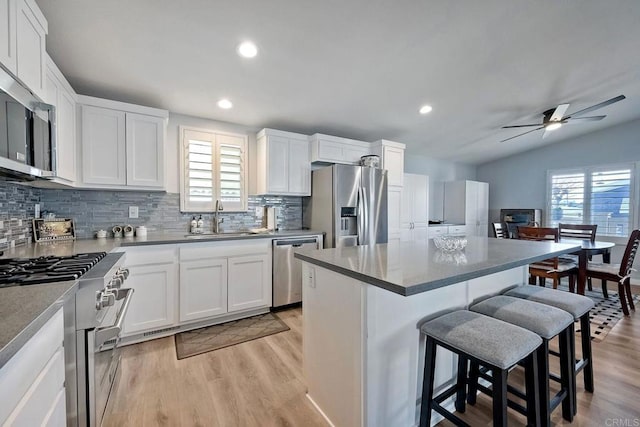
[(22, 370), (437, 231), (150, 255), (207, 250), (457, 229)]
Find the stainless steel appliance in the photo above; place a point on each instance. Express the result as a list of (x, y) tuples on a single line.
[(348, 203), (27, 132), (92, 321), (512, 218), (287, 271)]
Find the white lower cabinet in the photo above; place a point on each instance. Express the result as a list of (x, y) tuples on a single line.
[(203, 289), (188, 285), (249, 282), (153, 303), (153, 275), (35, 378)]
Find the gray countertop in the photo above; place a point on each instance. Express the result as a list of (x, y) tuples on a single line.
[(25, 309), (409, 268), (108, 244)]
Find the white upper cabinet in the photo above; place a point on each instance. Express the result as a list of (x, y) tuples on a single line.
[(122, 145), (103, 146), (23, 31), (392, 159), (60, 94), (30, 41), (8, 34), (283, 165), (145, 150), (333, 149)]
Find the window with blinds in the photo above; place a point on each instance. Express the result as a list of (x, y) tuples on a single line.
[(596, 195), (213, 168)]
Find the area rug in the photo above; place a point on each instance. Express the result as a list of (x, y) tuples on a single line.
[(214, 337), (605, 314)]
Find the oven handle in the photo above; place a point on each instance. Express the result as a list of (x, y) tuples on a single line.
[(103, 335)]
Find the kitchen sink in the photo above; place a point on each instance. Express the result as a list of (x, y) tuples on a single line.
[(217, 235)]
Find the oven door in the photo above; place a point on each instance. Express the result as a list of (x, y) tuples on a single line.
[(103, 355)]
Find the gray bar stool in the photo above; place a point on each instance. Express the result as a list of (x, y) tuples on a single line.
[(548, 322), (495, 344), (576, 305)]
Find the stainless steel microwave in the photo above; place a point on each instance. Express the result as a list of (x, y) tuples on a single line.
[(27, 132)]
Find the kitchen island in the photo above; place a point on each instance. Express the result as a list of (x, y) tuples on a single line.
[(363, 306)]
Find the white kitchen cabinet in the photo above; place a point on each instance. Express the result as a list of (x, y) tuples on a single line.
[(203, 288), (145, 150), (414, 212), (392, 159), (122, 145), (445, 229), (153, 274), (249, 282), (35, 377), (8, 34), (32, 28), (103, 146), (334, 149), (394, 209), (60, 94), (283, 164), (467, 202)]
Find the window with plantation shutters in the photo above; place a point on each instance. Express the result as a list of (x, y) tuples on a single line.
[(212, 168), (600, 195)]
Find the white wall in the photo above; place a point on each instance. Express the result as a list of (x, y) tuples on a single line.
[(519, 181), (173, 145), (438, 171)]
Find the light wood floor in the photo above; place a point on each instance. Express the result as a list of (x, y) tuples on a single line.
[(260, 383)]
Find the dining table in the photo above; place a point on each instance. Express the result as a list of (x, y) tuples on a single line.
[(587, 249)]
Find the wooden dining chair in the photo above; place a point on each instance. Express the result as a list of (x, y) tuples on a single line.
[(620, 273), (552, 268), (578, 232), (498, 231)]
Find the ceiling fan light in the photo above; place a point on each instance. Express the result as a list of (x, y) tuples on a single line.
[(553, 126)]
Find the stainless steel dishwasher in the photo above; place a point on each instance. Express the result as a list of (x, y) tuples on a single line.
[(287, 271)]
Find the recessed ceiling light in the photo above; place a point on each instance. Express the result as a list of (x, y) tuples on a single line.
[(225, 104), (425, 109), (247, 49), (553, 126)]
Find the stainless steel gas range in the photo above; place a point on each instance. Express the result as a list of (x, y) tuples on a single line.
[(93, 322)]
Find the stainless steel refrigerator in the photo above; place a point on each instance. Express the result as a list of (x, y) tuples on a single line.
[(348, 203)]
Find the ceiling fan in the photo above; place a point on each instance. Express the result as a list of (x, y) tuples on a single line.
[(555, 118)]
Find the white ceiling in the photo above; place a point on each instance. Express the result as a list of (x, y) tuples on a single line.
[(361, 68)]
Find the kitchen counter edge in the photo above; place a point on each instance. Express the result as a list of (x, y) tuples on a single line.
[(20, 326)]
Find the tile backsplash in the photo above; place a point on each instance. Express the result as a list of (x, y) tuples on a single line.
[(17, 204), (94, 210)]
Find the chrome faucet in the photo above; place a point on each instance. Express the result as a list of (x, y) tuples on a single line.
[(217, 221)]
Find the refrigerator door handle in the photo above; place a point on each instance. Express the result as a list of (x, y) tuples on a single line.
[(361, 219)]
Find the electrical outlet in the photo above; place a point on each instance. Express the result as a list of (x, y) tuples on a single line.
[(133, 212), (259, 211), (311, 277)]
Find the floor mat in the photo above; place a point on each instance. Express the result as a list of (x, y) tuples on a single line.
[(605, 314), (214, 337)]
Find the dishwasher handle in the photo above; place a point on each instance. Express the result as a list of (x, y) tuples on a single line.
[(296, 243)]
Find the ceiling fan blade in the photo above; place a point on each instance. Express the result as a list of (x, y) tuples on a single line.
[(541, 127), (520, 126), (597, 106), (579, 120), (558, 112)]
